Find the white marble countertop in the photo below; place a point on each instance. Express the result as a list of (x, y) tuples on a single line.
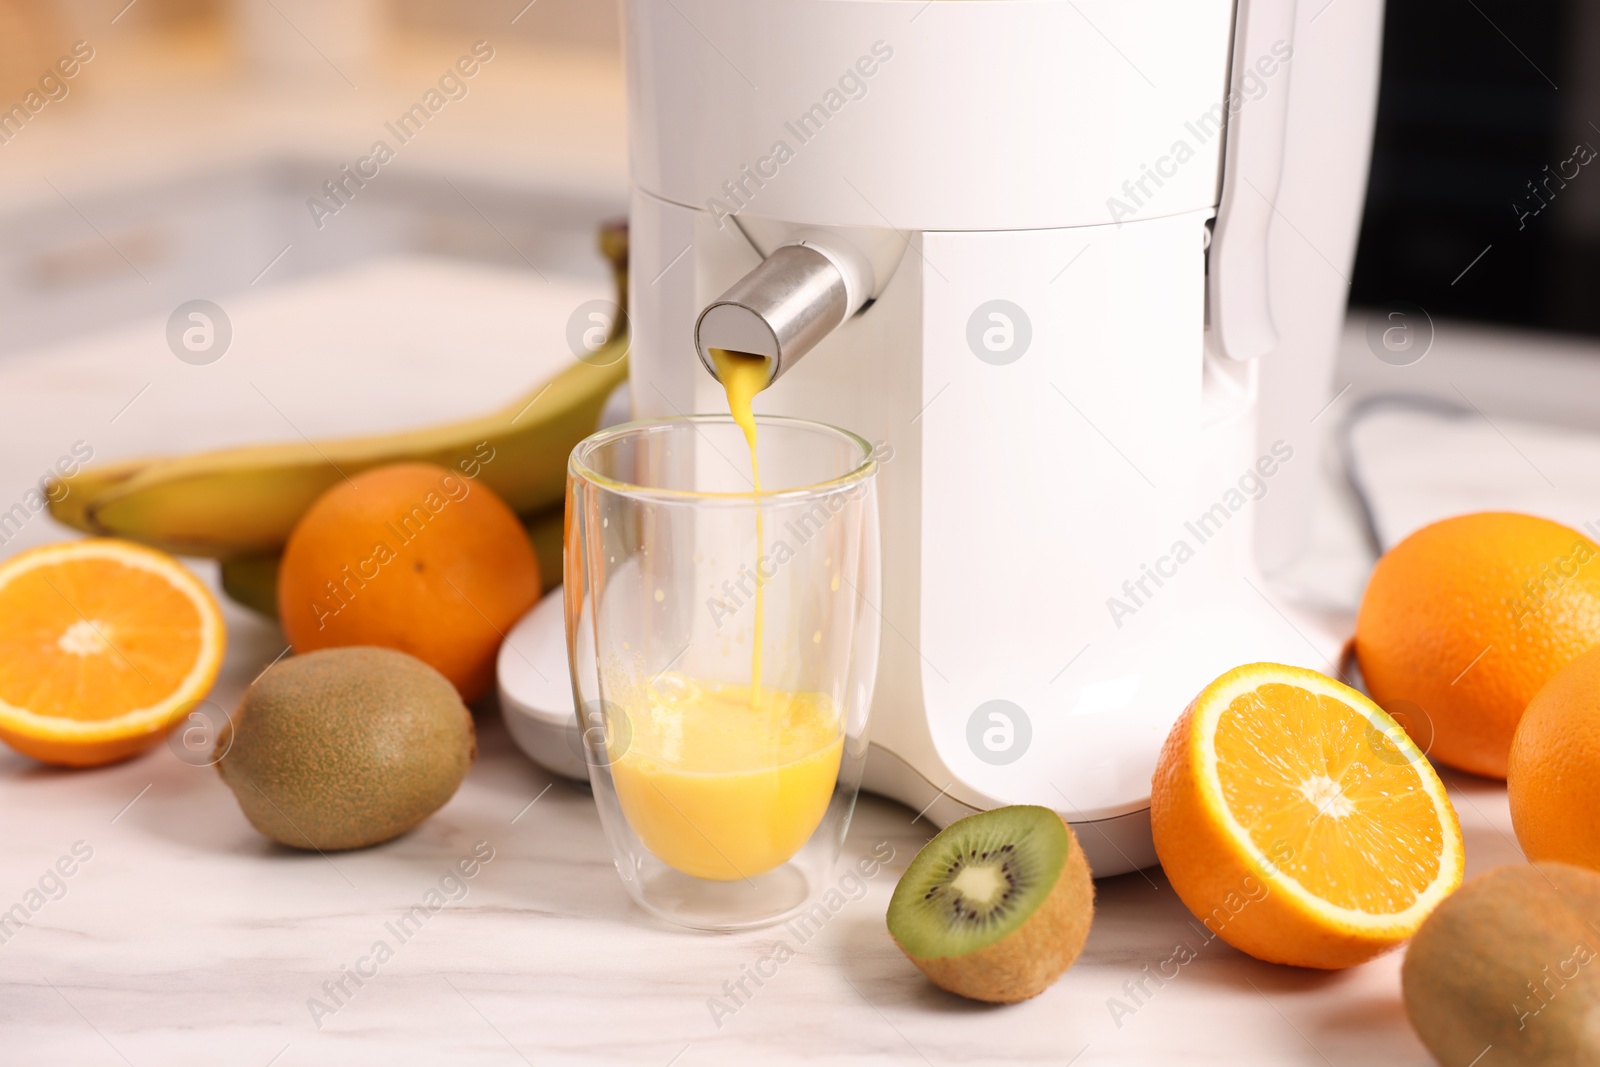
[(185, 938), (188, 939)]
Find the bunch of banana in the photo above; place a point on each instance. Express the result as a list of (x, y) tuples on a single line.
[(238, 505)]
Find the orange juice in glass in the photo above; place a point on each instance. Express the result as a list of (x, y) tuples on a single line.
[(734, 648)]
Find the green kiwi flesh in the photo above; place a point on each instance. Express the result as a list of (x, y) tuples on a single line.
[(979, 880)]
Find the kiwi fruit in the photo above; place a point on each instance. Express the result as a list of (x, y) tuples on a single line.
[(346, 747), (997, 906), (1510, 960)]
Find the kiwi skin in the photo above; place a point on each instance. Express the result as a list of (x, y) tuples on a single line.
[(345, 747), (1028, 960), (1509, 960)]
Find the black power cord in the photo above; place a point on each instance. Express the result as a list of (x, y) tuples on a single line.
[(1345, 444)]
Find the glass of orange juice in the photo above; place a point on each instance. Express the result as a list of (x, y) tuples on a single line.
[(724, 644)]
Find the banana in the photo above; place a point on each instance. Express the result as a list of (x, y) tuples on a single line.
[(547, 532), (69, 497), (243, 502), (253, 580)]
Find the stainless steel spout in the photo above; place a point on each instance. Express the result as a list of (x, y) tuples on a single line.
[(781, 309)]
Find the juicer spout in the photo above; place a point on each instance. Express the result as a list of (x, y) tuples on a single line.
[(783, 308)]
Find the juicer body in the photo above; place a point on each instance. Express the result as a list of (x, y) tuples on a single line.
[(1067, 212)]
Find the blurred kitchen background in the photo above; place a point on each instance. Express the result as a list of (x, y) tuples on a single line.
[(177, 163), (1480, 104)]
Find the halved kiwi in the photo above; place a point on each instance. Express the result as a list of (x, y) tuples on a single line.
[(997, 906)]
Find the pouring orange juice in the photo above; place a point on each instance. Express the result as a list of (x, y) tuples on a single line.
[(725, 781)]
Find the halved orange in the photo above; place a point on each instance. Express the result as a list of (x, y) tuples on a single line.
[(1299, 822), (103, 645)]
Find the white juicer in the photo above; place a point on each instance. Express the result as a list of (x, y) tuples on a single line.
[(1041, 253)]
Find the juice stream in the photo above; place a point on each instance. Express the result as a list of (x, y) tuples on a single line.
[(743, 376)]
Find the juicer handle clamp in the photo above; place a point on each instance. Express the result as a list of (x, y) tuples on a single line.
[(783, 308), (1257, 105)]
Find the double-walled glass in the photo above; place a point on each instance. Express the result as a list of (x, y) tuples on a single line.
[(723, 646)]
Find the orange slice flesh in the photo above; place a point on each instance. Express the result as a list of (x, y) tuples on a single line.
[(103, 643), (1299, 822)]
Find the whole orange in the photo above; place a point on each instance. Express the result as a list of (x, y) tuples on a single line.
[(412, 557), (1554, 777), (1468, 618)]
